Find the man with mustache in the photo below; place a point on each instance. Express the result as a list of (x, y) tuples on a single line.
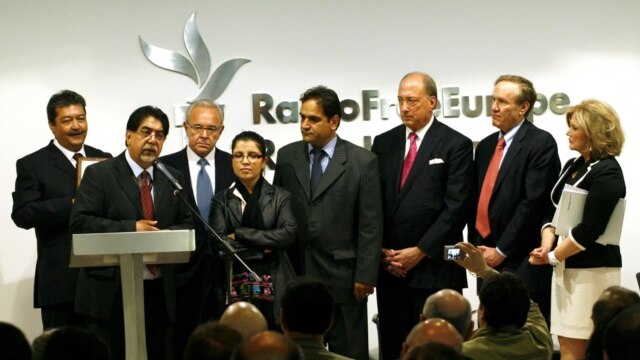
[(207, 170), (126, 194), (335, 190), (44, 191)]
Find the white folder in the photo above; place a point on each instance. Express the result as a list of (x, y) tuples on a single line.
[(569, 214)]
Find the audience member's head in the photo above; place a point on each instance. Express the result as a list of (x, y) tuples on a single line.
[(622, 334), (40, 343), (268, 345), (433, 351), (212, 341), (432, 330), (452, 306), (504, 301), (71, 343), (244, 318), (613, 300), (13, 343), (299, 297)]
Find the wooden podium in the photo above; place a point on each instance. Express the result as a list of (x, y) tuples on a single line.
[(131, 251)]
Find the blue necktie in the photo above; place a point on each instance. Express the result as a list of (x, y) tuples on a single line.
[(204, 191)]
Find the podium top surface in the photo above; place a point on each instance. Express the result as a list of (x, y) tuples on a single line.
[(143, 242)]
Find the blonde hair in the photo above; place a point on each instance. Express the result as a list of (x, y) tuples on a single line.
[(601, 124)]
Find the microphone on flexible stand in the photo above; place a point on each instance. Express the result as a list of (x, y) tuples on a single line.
[(167, 173)]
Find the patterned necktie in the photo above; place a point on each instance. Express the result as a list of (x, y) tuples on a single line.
[(204, 190), (147, 206), (411, 156), (482, 218), (145, 196), (316, 168)]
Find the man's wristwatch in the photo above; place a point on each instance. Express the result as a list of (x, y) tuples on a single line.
[(553, 261)]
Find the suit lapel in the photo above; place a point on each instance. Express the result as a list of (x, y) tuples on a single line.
[(128, 184), (427, 146), (334, 170), (512, 154), (301, 169), (58, 160)]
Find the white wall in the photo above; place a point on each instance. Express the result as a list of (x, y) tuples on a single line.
[(582, 48)]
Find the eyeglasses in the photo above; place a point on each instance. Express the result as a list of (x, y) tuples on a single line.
[(198, 129), (253, 157), (146, 132)]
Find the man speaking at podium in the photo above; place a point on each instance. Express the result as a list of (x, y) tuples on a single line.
[(125, 194)]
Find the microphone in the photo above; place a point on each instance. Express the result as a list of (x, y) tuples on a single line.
[(167, 173)]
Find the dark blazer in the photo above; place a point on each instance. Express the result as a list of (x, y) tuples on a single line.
[(520, 200), (340, 228), (108, 200), (223, 179), (280, 233), (430, 210), (44, 190), (605, 182)]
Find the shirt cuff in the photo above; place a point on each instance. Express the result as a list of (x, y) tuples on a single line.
[(501, 253), (544, 227), (575, 242)]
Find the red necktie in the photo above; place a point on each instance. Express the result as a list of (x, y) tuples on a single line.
[(147, 207), (411, 156), (482, 218)]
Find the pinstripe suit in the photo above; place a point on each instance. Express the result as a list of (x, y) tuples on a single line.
[(339, 230)]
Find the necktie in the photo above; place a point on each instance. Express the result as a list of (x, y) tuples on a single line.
[(482, 218), (77, 157), (316, 168), (411, 156), (204, 190), (147, 207)]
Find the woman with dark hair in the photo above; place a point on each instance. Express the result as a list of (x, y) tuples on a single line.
[(258, 219), (586, 265)]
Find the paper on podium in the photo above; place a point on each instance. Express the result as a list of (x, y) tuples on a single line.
[(569, 214)]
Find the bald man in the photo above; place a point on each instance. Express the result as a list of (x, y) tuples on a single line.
[(268, 345), (452, 306), (244, 318), (432, 330)]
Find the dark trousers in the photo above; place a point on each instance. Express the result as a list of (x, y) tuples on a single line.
[(200, 298), (158, 326), (349, 335), (399, 309), (59, 315)]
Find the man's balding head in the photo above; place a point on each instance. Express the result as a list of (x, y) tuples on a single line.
[(452, 306), (244, 318), (432, 330)]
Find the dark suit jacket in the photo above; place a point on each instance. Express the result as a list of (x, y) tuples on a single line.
[(223, 179), (431, 209), (605, 182), (340, 228), (519, 201), (279, 233), (108, 200), (45, 187)]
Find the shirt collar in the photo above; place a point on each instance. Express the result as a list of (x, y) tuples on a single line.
[(509, 135), (330, 148), (68, 153), (192, 156), (137, 169), (420, 132)]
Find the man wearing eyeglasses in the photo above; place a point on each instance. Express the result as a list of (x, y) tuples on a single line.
[(426, 172), (200, 283), (125, 194), (44, 192)]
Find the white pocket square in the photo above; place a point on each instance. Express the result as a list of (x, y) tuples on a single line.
[(436, 161)]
